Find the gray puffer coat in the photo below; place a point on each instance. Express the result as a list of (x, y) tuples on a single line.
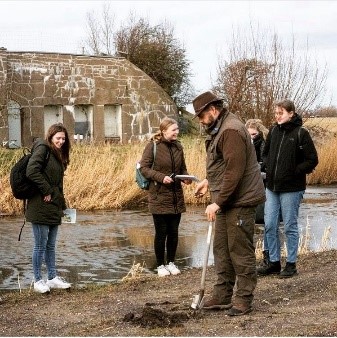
[(169, 159), (49, 181)]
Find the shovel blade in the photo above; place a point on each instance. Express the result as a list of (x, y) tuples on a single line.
[(198, 302)]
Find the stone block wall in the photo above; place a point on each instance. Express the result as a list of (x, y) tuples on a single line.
[(33, 80)]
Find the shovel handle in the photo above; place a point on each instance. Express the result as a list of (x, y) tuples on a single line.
[(209, 237)]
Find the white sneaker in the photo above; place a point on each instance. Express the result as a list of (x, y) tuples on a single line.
[(162, 271), (58, 283), (41, 286), (172, 269)]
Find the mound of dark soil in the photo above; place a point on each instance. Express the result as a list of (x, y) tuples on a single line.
[(154, 317)]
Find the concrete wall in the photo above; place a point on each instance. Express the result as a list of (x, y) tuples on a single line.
[(78, 90)]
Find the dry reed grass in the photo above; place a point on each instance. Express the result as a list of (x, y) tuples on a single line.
[(326, 123), (324, 132), (326, 171), (136, 271), (103, 176)]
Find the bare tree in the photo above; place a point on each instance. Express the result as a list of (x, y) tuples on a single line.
[(330, 111), (260, 70), (100, 32), (92, 42), (107, 29)]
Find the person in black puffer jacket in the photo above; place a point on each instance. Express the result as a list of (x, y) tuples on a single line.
[(289, 155), (49, 160)]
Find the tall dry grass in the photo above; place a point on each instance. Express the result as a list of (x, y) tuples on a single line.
[(325, 124), (326, 171), (324, 131), (103, 176)]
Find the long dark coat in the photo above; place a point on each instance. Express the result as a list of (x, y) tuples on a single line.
[(169, 159), (49, 181)]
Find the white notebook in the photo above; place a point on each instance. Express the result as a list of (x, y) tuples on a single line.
[(187, 177)]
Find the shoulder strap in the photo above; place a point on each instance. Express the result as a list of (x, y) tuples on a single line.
[(154, 149), (154, 156), (154, 152), (299, 138), (24, 220)]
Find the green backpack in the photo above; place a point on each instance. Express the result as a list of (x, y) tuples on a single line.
[(142, 182)]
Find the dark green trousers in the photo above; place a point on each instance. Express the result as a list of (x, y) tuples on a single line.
[(234, 256)]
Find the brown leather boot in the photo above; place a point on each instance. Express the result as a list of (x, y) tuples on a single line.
[(240, 309)]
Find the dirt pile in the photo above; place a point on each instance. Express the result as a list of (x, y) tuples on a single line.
[(154, 317)]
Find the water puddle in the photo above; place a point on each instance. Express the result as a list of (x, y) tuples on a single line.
[(102, 246)]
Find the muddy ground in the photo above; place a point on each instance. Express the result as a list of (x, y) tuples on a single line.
[(305, 305)]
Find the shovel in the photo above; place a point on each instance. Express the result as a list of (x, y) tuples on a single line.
[(198, 300)]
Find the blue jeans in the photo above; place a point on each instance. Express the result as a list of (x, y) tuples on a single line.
[(287, 203), (44, 248), (265, 244)]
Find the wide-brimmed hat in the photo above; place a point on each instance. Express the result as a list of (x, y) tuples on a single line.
[(203, 100)]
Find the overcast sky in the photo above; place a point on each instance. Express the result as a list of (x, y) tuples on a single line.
[(203, 27)]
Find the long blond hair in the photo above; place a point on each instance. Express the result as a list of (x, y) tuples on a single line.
[(258, 125)]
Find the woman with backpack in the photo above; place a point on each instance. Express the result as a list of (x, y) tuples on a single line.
[(289, 155), (166, 198), (46, 166)]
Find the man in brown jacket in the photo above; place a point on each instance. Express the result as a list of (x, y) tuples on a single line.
[(236, 188)]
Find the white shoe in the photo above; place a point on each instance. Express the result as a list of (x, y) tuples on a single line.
[(58, 283), (162, 271), (41, 286), (172, 269)]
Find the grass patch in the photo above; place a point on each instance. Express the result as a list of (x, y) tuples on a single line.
[(103, 176)]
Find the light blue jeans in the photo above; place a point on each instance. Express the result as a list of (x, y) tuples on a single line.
[(44, 248), (288, 203)]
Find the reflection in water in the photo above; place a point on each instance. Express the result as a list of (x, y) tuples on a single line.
[(102, 246)]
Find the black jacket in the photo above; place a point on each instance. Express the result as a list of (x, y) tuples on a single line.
[(49, 181), (259, 144), (289, 155)]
